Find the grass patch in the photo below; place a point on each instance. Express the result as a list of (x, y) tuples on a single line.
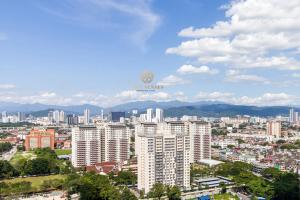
[(21, 155), (36, 181), (63, 151), (226, 196)]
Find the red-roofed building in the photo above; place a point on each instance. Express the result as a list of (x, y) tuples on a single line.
[(104, 168)]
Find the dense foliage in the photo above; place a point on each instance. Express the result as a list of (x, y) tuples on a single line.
[(93, 186), (5, 146), (273, 184), (286, 186), (125, 178), (46, 162), (7, 170)]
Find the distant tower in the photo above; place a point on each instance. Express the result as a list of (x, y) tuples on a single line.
[(102, 114), (86, 116), (149, 115), (291, 119), (61, 116), (159, 115)]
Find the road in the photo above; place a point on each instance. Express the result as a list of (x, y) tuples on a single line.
[(8, 155)]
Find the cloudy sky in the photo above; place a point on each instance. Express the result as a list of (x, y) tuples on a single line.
[(94, 51)]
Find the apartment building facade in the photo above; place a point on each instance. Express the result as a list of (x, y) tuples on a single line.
[(163, 152), (95, 144)]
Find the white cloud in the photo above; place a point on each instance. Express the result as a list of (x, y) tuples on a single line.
[(7, 86), (190, 69), (255, 34), (236, 76), (172, 80), (266, 99), (214, 96), (48, 94), (143, 21), (180, 96)]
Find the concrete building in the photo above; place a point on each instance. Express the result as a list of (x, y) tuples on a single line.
[(117, 139), (40, 139), (86, 146), (163, 152), (116, 116), (159, 115), (86, 116), (61, 116), (106, 142), (56, 116), (150, 115), (200, 133), (274, 128)]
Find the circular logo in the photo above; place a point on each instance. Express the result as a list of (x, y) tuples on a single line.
[(147, 77)]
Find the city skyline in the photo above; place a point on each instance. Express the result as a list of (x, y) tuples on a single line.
[(94, 52)]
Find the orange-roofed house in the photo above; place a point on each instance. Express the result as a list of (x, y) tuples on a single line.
[(40, 139)]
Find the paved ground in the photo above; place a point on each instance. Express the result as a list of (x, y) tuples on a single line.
[(8, 155)]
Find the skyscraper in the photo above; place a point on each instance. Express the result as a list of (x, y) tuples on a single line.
[(116, 116), (163, 152), (200, 133), (291, 119), (61, 116), (50, 116), (86, 146), (106, 142), (117, 142), (149, 115), (56, 115), (4, 117), (159, 115), (86, 116)]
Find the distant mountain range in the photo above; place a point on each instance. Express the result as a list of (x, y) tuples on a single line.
[(172, 108)]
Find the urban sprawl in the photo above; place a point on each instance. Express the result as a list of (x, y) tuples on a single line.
[(144, 154)]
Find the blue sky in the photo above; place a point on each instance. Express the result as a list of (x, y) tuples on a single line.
[(94, 51)]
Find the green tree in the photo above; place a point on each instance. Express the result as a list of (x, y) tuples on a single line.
[(37, 166), (7, 170), (91, 186), (126, 178), (286, 186), (127, 195), (223, 187), (270, 172), (173, 192), (157, 191), (5, 146)]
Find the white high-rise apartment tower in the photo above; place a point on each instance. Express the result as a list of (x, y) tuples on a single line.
[(86, 116), (106, 142), (56, 115), (117, 142), (159, 115), (200, 133), (149, 115), (163, 152), (86, 146)]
